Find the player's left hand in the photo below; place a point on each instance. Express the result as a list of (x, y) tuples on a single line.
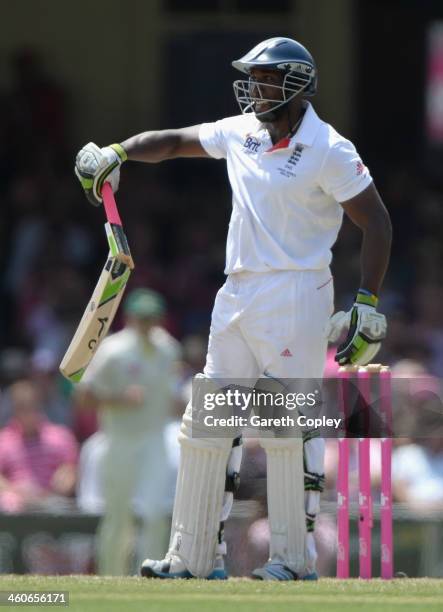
[(367, 328), (94, 166)]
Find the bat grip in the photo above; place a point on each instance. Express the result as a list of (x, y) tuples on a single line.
[(110, 205)]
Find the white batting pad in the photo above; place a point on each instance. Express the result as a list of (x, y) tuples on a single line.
[(198, 499), (286, 508)]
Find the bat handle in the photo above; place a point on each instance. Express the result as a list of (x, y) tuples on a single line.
[(110, 205)]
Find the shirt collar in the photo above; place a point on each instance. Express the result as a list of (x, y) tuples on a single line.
[(305, 134)]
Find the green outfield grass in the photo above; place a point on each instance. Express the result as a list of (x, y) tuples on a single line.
[(93, 594)]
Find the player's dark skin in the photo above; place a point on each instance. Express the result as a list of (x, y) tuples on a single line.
[(366, 210), (270, 83)]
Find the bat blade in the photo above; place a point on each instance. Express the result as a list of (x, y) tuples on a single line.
[(96, 319), (100, 312)]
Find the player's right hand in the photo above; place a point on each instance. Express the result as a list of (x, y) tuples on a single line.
[(94, 166)]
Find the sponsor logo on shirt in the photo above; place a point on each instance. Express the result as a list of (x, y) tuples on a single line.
[(251, 144)]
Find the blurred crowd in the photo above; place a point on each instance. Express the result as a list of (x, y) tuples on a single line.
[(53, 247)]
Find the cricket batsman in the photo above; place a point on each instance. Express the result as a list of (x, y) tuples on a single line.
[(292, 176)]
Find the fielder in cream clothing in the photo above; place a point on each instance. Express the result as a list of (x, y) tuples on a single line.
[(292, 177), (131, 380)]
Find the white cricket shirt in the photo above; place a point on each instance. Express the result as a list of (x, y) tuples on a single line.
[(285, 198)]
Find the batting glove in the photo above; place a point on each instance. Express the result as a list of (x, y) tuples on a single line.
[(94, 166), (367, 328)]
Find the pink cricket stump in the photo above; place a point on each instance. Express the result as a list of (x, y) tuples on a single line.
[(387, 564), (343, 509), (343, 481), (364, 489)]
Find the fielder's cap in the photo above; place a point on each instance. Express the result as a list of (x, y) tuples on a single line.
[(144, 303)]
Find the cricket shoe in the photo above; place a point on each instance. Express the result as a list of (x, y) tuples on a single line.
[(174, 568), (279, 571)]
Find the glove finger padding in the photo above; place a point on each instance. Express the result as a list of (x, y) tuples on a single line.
[(87, 182), (367, 330), (88, 159), (94, 166)]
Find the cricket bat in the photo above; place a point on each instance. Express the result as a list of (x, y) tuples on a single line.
[(103, 305)]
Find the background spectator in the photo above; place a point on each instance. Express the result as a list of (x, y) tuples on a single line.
[(37, 458)]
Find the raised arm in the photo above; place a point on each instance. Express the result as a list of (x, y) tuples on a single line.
[(95, 165), (153, 147)]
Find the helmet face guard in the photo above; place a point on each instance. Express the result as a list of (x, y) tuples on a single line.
[(299, 76), (249, 93)]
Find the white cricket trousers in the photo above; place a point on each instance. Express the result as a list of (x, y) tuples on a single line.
[(271, 322)]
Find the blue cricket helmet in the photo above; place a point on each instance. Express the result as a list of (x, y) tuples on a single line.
[(286, 55)]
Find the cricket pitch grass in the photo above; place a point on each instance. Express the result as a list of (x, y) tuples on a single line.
[(95, 594)]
